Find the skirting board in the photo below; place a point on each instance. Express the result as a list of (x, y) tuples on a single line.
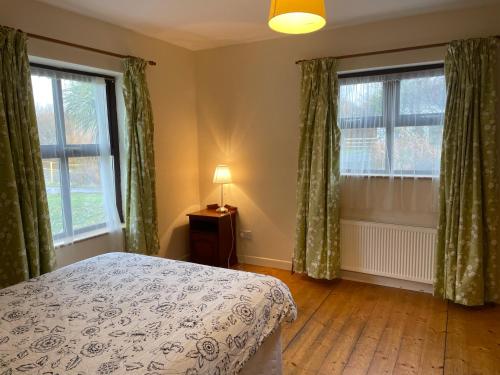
[(347, 275), (265, 262), (386, 281)]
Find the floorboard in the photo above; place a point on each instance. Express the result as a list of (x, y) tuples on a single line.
[(345, 327)]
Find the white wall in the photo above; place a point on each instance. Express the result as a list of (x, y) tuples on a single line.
[(85, 249), (172, 88), (248, 114)]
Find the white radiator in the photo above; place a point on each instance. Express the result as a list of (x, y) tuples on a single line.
[(397, 251)]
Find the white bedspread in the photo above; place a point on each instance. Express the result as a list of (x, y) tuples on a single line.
[(130, 314)]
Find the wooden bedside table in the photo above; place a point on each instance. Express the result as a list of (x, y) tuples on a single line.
[(212, 237)]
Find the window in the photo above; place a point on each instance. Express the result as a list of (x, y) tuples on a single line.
[(77, 125), (392, 121)]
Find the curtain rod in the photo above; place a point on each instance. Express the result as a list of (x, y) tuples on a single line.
[(423, 46), (103, 52)]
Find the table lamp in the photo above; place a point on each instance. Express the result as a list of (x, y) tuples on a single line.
[(222, 176)]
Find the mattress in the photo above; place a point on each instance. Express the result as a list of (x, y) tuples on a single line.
[(124, 313), (267, 360)]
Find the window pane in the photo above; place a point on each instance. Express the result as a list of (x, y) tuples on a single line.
[(80, 114), (53, 188), (361, 100), (363, 142), (424, 95), (44, 106), (417, 149), (87, 200), (363, 150)]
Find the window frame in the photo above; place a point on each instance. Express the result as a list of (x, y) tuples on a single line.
[(385, 123), (63, 151)]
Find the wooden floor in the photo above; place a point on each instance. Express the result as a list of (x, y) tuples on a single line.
[(345, 327)]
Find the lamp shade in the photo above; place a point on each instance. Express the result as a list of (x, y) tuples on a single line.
[(297, 16), (222, 174)]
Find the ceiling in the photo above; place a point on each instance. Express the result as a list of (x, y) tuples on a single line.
[(202, 24)]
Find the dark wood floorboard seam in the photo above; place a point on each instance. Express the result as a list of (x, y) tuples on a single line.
[(380, 338), (357, 340), (341, 329), (402, 335), (354, 346), (446, 335), (307, 321)]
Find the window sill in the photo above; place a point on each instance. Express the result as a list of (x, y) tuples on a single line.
[(384, 176), (82, 237)]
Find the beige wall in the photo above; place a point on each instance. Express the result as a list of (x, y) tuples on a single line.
[(172, 88), (248, 102)]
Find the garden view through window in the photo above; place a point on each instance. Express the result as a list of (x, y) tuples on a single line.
[(392, 122), (73, 125)]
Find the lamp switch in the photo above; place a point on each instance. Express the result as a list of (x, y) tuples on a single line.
[(247, 234)]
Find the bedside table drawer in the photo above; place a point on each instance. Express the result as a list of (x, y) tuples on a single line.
[(211, 226), (204, 247)]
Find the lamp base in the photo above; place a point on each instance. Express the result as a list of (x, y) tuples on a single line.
[(221, 209)]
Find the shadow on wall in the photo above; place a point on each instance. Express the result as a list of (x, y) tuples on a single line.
[(178, 236), (270, 238), (174, 242)]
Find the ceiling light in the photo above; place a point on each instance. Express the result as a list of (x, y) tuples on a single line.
[(297, 16)]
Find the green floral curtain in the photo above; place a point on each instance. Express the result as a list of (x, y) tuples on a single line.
[(467, 253), (317, 247), (26, 248), (141, 226)]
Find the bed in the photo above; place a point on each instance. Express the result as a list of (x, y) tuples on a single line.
[(122, 313)]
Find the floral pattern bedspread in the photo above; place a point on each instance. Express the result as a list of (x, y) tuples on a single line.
[(123, 313)]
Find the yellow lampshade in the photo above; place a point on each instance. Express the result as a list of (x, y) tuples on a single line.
[(297, 16), (222, 174)]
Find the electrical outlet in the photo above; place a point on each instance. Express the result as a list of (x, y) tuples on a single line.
[(246, 234)]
